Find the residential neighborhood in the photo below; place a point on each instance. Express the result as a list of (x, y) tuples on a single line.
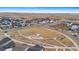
[(38, 34)]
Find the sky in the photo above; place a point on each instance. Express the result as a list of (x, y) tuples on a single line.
[(41, 9)]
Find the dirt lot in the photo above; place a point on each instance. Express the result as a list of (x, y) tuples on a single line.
[(48, 36)]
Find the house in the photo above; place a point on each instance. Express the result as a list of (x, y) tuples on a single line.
[(20, 47), (2, 49), (27, 22), (75, 27), (36, 48), (5, 23), (6, 43), (68, 22)]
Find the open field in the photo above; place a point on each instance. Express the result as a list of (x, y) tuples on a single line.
[(38, 15), (49, 37), (59, 26), (38, 30)]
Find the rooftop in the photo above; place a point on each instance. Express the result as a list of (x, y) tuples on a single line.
[(36, 48)]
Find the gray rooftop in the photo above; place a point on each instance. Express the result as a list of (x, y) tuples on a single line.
[(35, 48)]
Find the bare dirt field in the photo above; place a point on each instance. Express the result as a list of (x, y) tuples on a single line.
[(49, 37)]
